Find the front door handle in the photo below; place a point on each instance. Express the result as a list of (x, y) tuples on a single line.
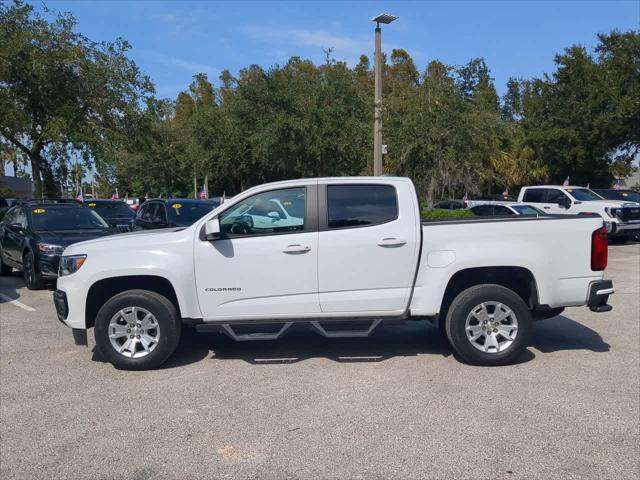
[(392, 242), (296, 248), (546, 208)]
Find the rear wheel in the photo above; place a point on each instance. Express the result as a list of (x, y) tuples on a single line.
[(31, 277), (488, 325), (137, 330)]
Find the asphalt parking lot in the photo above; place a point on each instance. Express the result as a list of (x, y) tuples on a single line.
[(396, 405)]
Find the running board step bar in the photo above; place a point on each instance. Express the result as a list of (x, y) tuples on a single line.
[(243, 337), (317, 326)]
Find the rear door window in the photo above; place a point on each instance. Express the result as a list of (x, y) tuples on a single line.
[(361, 205), (534, 195)]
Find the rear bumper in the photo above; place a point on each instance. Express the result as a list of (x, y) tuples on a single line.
[(599, 295)]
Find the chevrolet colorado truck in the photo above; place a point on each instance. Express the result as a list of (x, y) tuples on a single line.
[(620, 217), (352, 254)]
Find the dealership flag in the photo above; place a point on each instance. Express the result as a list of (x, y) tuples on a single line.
[(566, 182), (79, 196), (203, 193)]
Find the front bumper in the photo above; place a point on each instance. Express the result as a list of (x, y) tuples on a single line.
[(599, 294), (62, 310), (620, 228), (48, 265), (62, 307)]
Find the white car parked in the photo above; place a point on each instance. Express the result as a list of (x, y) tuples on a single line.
[(505, 208), (348, 250), (620, 217)]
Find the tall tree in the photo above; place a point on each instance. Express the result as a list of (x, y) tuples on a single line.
[(60, 91)]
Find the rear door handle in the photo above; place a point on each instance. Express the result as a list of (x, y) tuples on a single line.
[(392, 242), (296, 248)]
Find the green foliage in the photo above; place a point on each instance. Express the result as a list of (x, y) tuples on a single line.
[(61, 94), (584, 119), (64, 97), (441, 213)]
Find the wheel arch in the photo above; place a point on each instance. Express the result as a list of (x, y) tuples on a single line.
[(518, 279), (102, 290)]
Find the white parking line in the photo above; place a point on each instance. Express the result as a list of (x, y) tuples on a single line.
[(6, 299)]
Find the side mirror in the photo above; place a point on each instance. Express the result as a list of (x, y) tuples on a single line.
[(212, 230), (274, 215), (15, 227)]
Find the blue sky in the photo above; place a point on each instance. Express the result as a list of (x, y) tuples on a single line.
[(173, 40)]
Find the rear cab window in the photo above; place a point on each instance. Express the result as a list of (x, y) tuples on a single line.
[(534, 195), (351, 206)]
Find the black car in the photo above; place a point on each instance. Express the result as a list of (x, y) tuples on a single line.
[(172, 212), (450, 205), (613, 194), (33, 235), (117, 213)]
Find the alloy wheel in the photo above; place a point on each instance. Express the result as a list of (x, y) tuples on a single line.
[(491, 327), (134, 332)]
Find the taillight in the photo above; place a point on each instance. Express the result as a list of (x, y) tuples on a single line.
[(599, 249)]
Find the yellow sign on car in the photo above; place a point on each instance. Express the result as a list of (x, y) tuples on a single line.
[(176, 205), (39, 210)]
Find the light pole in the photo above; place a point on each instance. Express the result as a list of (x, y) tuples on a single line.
[(377, 120)]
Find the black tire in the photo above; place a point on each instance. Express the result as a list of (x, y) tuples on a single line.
[(31, 276), (164, 312), (4, 268), (465, 303)]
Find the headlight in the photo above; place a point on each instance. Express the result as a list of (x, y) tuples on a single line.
[(50, 249), (70, 264), (612, 212)]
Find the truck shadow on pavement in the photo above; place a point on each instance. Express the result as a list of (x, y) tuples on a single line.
[(562, 333), (412, 339)]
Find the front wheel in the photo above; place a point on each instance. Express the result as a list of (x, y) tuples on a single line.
[(137, 330), (29, 273), (488, 325), (4, 268)]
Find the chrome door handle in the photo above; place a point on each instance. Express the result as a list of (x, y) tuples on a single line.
[(296, 248), (392, 242)]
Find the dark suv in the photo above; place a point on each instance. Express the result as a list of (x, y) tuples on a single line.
[(117, 213), (33, 236), (172, 212)]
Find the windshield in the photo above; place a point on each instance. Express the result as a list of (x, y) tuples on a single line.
[(527, 210), (185, 213), (112, 209), (583, 194), (628, 195), (47, 218)]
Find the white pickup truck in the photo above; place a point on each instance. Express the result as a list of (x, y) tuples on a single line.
[(620, 217), (358, 256)]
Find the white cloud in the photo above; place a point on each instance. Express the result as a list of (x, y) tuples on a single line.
[(192, 67), (344, 47)]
